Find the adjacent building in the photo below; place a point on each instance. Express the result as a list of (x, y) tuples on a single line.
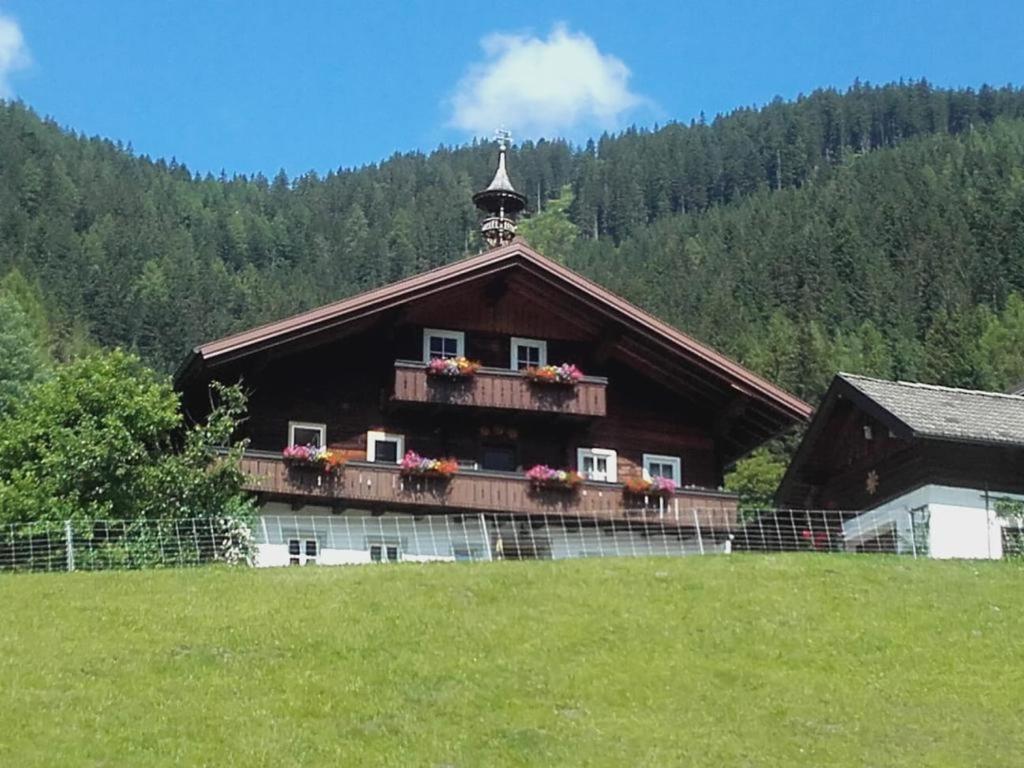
[(911, 467)]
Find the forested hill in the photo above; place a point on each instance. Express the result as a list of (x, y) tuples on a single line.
[(877, 230)]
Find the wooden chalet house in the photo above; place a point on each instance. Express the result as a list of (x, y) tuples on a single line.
[(899, 467), (453, 398)]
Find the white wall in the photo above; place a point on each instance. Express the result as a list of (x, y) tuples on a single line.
[(346, 538), (962, 524)]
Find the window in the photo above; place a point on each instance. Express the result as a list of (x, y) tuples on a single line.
[(302, 551), (304, 433), (597, 464), (384, 553), (500, 458), (528, 353), (438, 343), (669, 467), (384, 447)]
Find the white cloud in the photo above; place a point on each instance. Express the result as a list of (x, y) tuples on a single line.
[(13, 53), (540, 87)]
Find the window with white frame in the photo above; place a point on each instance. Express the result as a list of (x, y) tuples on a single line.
[(302, 551), (383, 552), (439, 343), (384, 447), (306, 433), (528, 353), (597, 464), (669, 467)]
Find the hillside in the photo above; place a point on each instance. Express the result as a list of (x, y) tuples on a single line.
[(876, 230), (797, 660)]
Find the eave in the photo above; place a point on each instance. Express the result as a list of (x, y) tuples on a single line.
[(778, 409)]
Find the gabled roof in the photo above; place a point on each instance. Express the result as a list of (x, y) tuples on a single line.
[(775, 406), (946, 413), (912, 411)]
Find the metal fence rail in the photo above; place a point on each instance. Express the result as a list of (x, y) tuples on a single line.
[(284, 540)]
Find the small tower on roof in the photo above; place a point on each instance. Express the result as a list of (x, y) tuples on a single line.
[(500, 202)]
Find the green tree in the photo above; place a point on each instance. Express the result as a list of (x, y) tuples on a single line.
[(952, 354), (104, 438), (755, 479), (23, 360), (551, 231), (1002, 345)]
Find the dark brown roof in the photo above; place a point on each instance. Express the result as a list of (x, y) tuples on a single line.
[(784, 407)]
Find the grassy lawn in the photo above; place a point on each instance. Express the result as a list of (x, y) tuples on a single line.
[(745, 660)]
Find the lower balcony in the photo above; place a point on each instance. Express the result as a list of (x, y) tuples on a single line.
[(375, 486)]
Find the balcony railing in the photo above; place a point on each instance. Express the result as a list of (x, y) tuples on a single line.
[(499, 388), (381, 487)]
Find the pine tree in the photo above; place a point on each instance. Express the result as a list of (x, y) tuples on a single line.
[(22, 360)]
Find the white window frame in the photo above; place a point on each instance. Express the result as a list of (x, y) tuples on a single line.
[(660, 458), (385, 545), (612, 457), (459, 336), (321, 428), (302, 557), (519, 341), (373, 436)]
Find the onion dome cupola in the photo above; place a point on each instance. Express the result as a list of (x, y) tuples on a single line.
[(499, 202)]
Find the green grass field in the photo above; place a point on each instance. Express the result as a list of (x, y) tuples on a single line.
[(799, 660)]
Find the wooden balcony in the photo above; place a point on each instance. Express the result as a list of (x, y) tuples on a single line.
[(499, 388), (372, 486)]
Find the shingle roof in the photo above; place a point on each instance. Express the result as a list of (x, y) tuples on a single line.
[(947, 413)]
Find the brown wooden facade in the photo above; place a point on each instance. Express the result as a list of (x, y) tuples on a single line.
[(857, 456), (381, 487), (358, 367), (499, 388)]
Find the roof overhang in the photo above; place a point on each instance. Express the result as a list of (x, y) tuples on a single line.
[(839, 390), (780, 408)]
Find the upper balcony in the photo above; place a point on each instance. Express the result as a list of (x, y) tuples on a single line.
[(499, 388), (376, 486)]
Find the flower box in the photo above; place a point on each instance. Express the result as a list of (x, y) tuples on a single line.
[(543, 476), (656, 486), (452, 367), (566, 374), (414, 465), (310, 457)]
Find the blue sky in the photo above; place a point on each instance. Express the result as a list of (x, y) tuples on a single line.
[(257, 86)]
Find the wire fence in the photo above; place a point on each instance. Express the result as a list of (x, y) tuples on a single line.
[(124, 544), (289, 540)]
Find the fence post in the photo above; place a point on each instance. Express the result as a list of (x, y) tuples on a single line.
[(700, 538), (913, 534), (70, 544), (487, 537)]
